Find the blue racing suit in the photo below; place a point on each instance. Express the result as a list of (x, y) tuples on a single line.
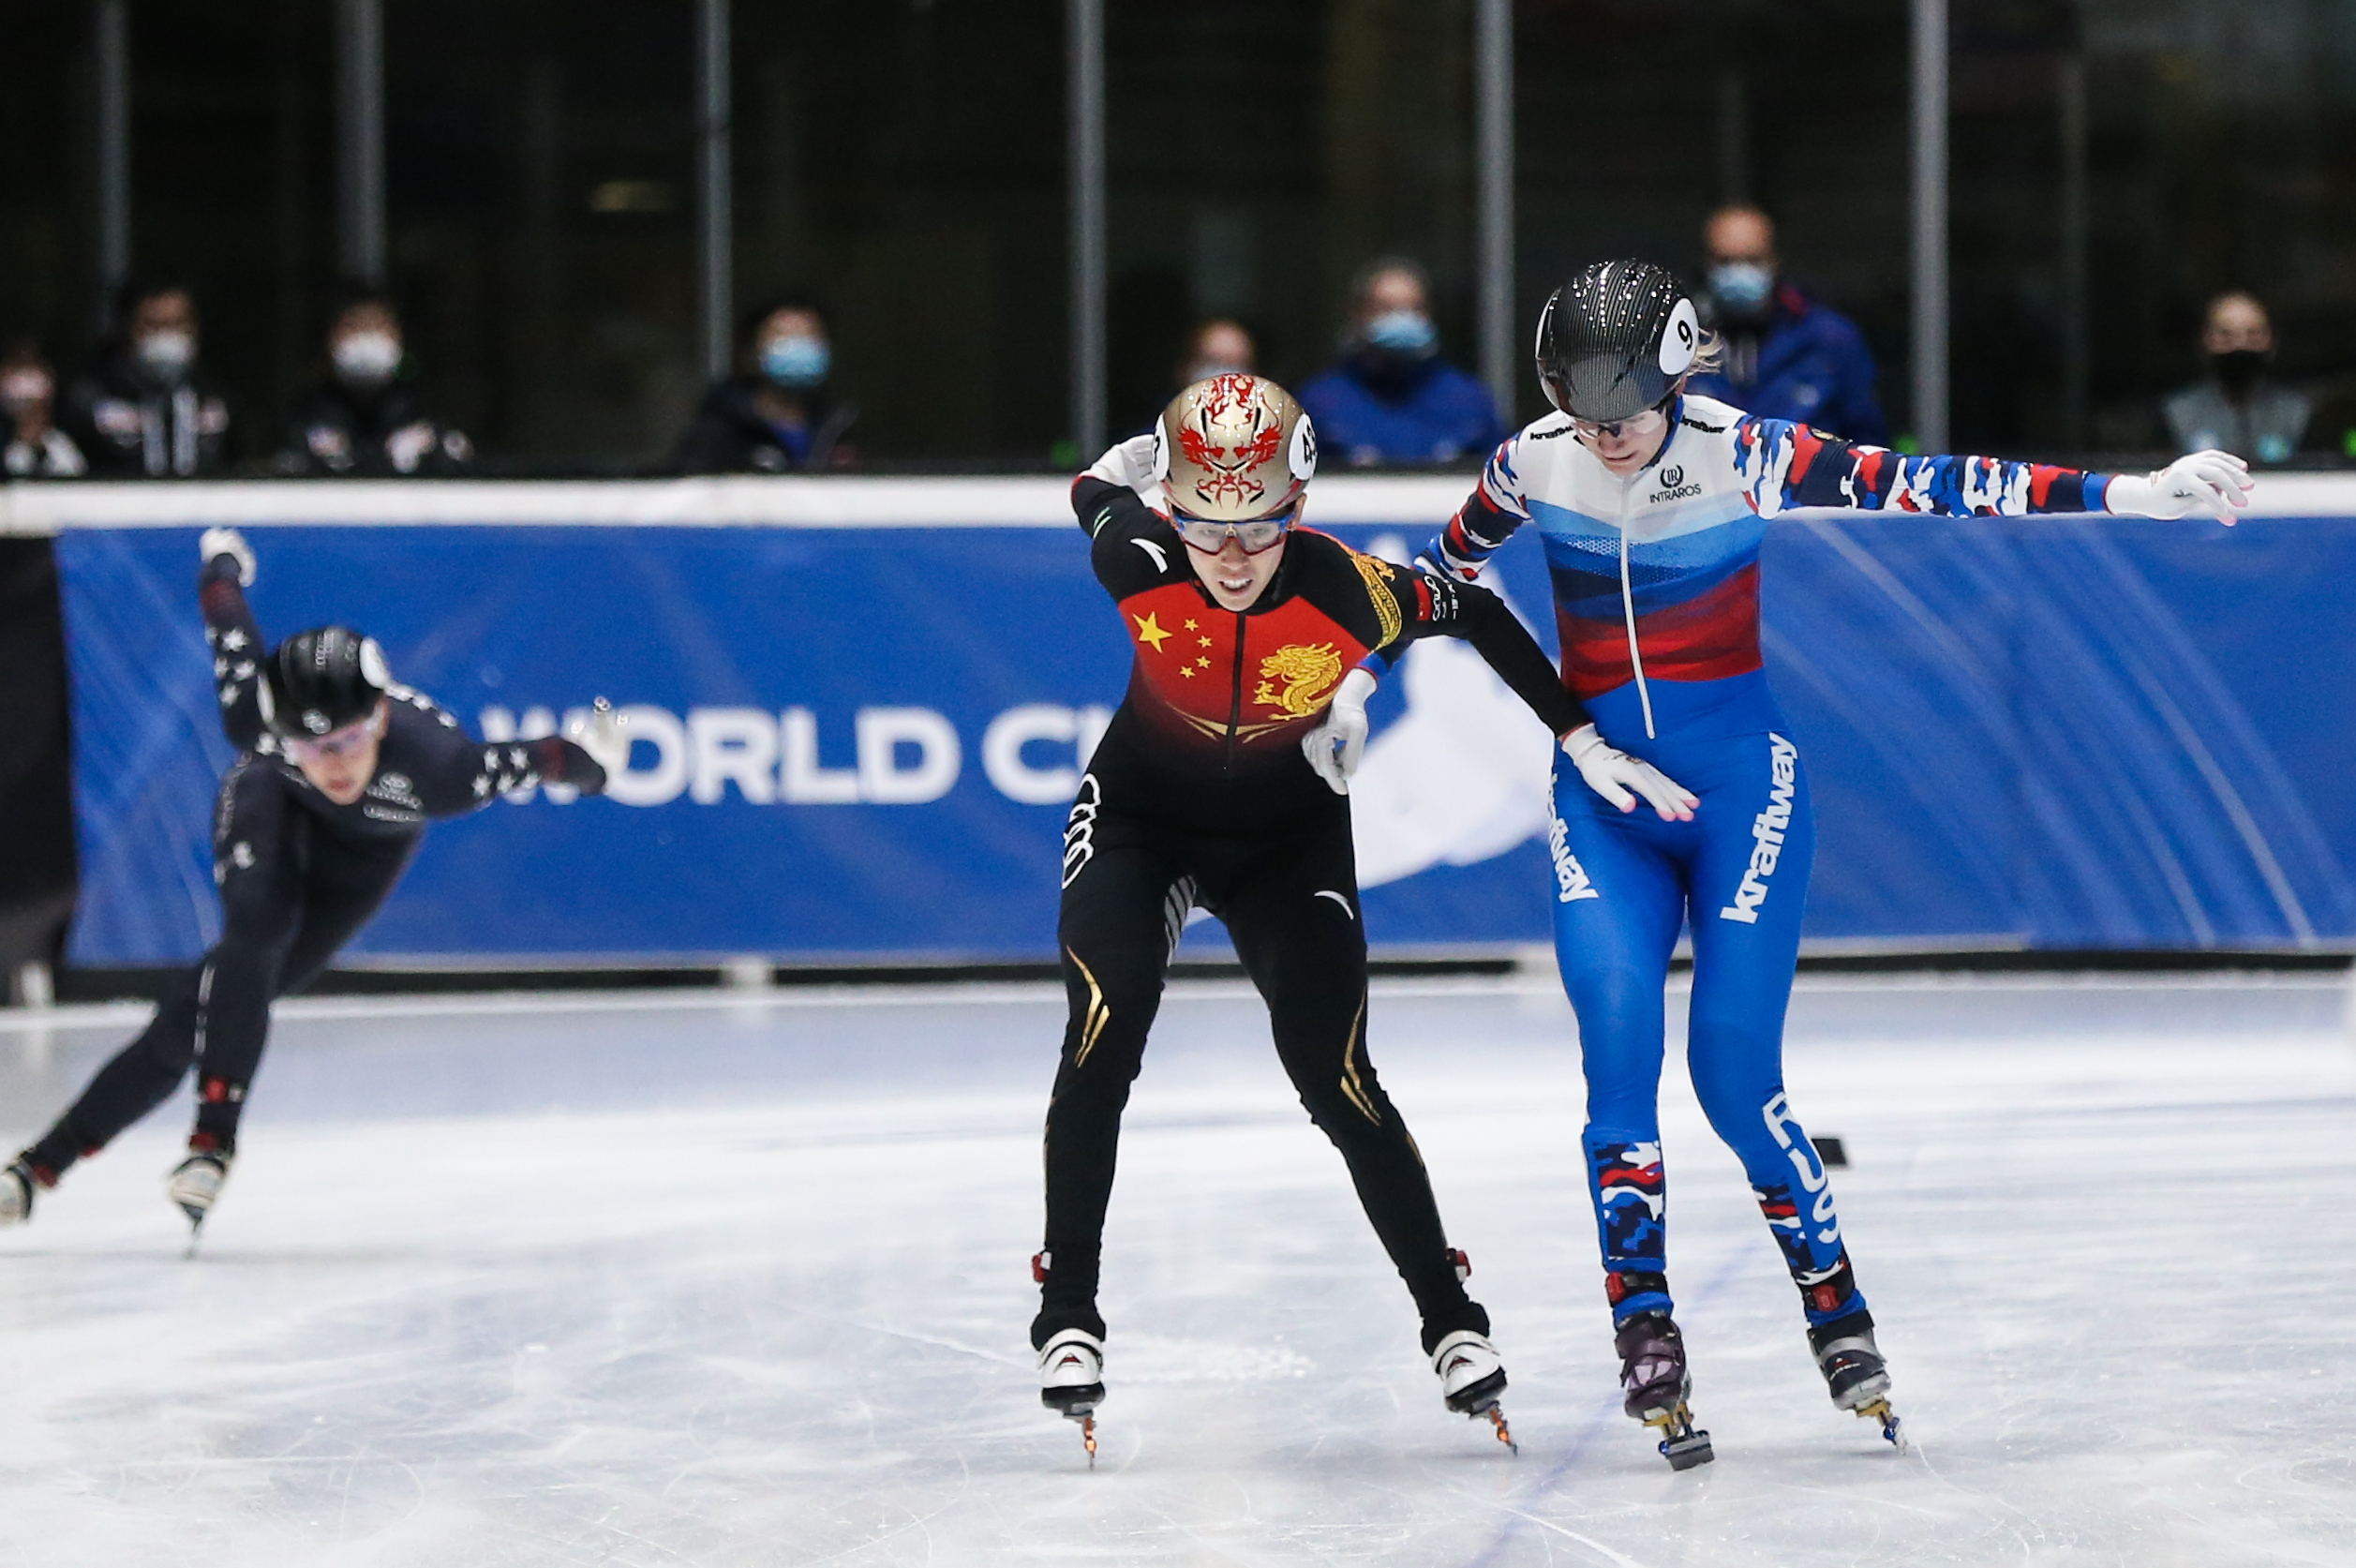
[(1656, 586)]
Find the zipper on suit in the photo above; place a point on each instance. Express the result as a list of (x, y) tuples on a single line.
[(1628, 606), (1236, 695)]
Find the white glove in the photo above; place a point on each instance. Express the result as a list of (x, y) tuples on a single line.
[(1337, 742), (2204, 482), (217, 542), (1130, 463), (1614, 773), (603, 732)]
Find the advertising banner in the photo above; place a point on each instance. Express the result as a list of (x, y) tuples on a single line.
[(861, 742)]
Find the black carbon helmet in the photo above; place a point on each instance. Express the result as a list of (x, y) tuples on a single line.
[(321, 680), (1613, 341)]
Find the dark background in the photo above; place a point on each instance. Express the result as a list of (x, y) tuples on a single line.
[(905, 159)]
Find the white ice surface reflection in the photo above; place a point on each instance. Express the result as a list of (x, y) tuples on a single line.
[(688, 1281)]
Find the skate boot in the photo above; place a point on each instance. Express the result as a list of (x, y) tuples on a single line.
[(1471, 1378), (17, 1184), (1653, 1370), (195, 1185), (1471, 1373), (1071, 1380), (1854, 1373)]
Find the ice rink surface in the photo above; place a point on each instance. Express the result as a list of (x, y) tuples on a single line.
[(657, 1280)]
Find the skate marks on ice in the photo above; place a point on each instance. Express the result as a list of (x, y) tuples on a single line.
[(748, 1286)]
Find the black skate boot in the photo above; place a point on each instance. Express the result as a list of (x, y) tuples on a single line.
[(1855, 1373), (1653, 1370)]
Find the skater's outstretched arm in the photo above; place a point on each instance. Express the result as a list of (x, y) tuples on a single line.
[(456, 773), (1435, 606), (226, 572), (1786, 465)]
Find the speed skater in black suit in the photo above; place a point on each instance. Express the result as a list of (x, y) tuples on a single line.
[(1222, 782), (338, 770)]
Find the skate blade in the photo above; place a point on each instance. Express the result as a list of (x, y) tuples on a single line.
[(1893, 1430), (1504, 1433), (1682, 1443), (1088, 1437), (196, 1232)]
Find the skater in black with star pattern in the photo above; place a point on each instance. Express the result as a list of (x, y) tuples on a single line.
[(338, 771)]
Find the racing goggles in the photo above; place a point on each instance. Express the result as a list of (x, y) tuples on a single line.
[(1636, 427), (350, 740), (1210, 535)]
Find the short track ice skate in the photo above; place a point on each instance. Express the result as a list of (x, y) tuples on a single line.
[(17, 1186), (1856, 1375), (1653, 1370), (1473, 1379), (195, 1186), (1071, 1382)]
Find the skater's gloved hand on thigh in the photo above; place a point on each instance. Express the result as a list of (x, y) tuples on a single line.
[(1620, 778), (217, 542), (603, 732), (2201, 481), (1339, 740)]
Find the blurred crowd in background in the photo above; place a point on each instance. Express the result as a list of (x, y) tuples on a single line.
[(147, 406), (1290, 191)]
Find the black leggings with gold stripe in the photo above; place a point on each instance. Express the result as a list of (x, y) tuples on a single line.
[(1291, 903)]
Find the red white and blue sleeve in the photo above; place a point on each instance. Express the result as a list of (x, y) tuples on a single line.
[(1785, 465), (1487, 519)]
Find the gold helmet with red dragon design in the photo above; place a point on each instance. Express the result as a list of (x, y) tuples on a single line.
[(1234, 449)]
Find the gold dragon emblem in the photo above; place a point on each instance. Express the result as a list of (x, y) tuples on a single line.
[(1307, 673)]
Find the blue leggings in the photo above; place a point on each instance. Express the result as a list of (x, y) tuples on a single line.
[(1625, 885)]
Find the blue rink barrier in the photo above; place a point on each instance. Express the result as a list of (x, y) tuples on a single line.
[(857, 739)]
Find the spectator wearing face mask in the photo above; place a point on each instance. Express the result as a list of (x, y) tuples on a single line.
[(1787, 356), (1391, 398), (35, 447), (2237, 409), (774, 415), (361, 420), (146, 409)]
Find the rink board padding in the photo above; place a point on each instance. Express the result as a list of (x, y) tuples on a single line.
[(861, 739)]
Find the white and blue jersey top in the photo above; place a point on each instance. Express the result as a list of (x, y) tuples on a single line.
[(1656, 576)]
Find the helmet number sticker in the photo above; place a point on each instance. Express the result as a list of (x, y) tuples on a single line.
[(1679, 338)]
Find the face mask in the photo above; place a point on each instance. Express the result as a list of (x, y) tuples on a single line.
[(167, 354), (25, 389), (1742, 288), (2238, 369), (368, 358), (796, 363), (1408, 334)]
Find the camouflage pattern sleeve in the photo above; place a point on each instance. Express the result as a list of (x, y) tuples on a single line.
[(1785, 465)]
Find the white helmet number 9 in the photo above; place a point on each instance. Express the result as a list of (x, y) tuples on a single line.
[(1679, 339)]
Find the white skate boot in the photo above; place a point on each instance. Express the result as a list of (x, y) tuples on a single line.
[(1472, 1379), (195, 1185), (16, 1193), (1071, 1380)]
